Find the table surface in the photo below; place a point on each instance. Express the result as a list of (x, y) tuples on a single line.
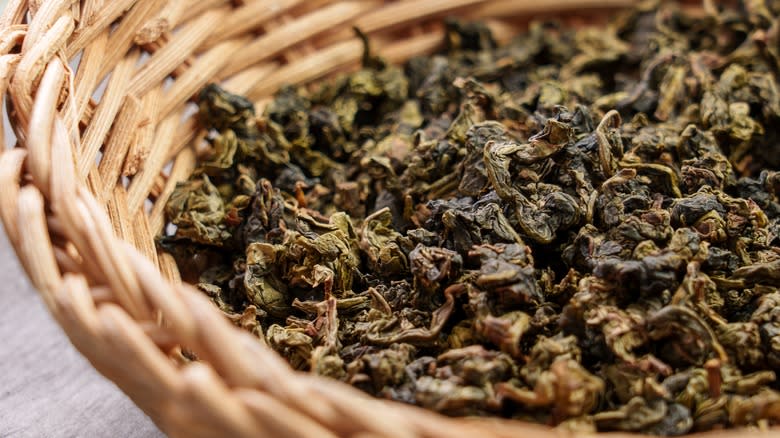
[(47, 389)]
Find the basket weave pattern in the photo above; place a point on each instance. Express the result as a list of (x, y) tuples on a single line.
[(83, 191)]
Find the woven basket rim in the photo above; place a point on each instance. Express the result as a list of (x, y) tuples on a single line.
[(82, 193)]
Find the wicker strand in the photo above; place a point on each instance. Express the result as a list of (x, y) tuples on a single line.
[(13, 13), (87, 77), (143, 239), (106, 112), (182, 168), (164, 61), (42, 119), (44, 18), (139, 187), (90, 10), (195, 8), (120, 218), (247, 18), (117, 146), (10, 170), (203, 69), (7, 66), (30, 68), (140, 148), (164, 22), (295, 32), (34, 244), (121, 38)]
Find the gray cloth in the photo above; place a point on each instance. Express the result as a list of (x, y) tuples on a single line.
[(47, 389)]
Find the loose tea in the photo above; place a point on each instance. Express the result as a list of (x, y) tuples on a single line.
[(579, 228)]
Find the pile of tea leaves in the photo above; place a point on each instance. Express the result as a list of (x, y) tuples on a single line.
[(579, 228)]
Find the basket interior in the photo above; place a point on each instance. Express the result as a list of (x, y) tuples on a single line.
[(136, 65)]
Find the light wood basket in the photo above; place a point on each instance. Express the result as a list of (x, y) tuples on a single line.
[(97, 94)]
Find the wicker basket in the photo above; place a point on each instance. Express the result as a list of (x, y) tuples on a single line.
[(82, 193)]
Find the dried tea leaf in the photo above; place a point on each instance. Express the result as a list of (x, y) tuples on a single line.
[(579, 228)]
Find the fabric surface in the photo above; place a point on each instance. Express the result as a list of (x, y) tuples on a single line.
[(47, 389)]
